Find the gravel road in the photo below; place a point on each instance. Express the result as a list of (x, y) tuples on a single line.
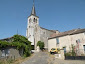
[(45, 58), (58, 61), (38, 58)]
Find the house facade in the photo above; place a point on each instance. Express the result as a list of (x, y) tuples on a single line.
[(10, 51), (65, 40)]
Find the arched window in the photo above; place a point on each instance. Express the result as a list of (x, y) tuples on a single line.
[(34, 20), (29, 20)]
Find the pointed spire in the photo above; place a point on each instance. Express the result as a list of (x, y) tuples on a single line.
[(33, 10)]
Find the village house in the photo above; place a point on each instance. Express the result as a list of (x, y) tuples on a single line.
[(10, 51), (65, 40)]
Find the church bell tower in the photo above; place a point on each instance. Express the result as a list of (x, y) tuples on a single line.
[(33, 22)]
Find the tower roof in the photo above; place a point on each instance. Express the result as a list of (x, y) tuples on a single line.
[(33, 10)]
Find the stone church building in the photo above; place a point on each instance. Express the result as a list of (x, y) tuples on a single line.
[(35, 33), (54, 38)]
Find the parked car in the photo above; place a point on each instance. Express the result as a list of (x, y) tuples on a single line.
[(54, 50)]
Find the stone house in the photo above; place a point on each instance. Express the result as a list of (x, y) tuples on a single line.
[(65, 39), (10, 51)]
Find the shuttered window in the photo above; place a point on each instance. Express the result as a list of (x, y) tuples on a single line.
[(78, 41), (57, 40), (64, 49)]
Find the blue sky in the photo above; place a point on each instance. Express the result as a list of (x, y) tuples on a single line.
[(62, 15)]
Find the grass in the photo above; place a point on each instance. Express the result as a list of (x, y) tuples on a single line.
[(17, 61), (6, 61)]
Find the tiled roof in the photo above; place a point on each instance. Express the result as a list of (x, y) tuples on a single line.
[(33, 11), (70, 32), (49, 30), (6, 38)]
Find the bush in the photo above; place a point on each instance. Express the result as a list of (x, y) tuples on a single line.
[(68, 54), (19, 42), (41, 45), (73, 51)]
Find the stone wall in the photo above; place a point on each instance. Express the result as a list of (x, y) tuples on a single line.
[(60, 55), (51, 44), (12, 52), (44, 35)]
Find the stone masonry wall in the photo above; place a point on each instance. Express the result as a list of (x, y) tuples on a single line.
[(44, 35)]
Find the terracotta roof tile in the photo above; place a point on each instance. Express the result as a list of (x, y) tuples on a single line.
[(70, 32)]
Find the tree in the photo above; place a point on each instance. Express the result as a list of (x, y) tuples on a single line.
[(40, 44)]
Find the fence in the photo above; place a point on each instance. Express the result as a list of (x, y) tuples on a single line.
[(74, 57)]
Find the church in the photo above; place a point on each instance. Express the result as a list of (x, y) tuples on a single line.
[(35, 33), (54, 38)]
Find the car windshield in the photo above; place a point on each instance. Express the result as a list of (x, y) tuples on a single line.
[(52, 49)]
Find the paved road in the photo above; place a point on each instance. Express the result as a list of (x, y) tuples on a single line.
[(38, 58)]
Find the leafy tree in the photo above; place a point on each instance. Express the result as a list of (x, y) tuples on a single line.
[(40, 44)]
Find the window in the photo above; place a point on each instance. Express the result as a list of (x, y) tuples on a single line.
[(5, 52), (78, 41), (84, 33), (29, 26), (32, 47), (57, 39), (84, 47), (29, 20), (34, 20), (64, 49)]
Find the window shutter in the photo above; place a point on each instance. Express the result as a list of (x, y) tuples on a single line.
[(57, 39)]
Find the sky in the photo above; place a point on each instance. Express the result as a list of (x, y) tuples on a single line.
[(62, 15)]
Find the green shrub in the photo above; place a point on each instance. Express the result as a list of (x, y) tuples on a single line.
[(73, 51), (20, 42), (10, 61), (40, 44), (1, 62), (68, 54)]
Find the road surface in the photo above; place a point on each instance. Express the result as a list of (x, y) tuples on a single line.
[(38, 58)]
